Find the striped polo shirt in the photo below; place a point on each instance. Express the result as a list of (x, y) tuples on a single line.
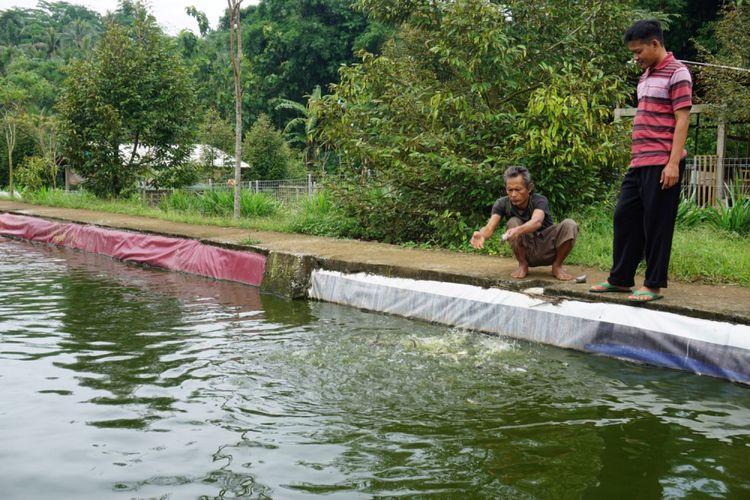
[(662, 90)]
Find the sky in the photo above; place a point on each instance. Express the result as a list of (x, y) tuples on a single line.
[(170, 14)]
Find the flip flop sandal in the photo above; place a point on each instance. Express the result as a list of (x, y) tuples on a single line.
[(651, 297), (607, 288)]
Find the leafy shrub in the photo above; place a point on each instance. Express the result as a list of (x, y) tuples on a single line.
[(266, 151), (257, 204), (319, 216), (689, 214), (220, 203), (181, 201), (217, 202), (33, 173), (731, 215)]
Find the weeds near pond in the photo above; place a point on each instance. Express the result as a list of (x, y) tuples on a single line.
[(220, 203), (731, 215)]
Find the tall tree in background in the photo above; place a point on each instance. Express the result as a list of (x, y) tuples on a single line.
[(10, 125), (303, 129), (128, 113), (201, 19), (296, 45), (727, 88), (47, 135), (465, 88), (235, 51)]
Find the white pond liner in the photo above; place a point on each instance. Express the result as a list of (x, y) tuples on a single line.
[(635, 333)]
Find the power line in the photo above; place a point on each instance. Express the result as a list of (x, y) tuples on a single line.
[(720, 66)]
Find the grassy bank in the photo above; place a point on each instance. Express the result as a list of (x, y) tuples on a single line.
[(700, 251)]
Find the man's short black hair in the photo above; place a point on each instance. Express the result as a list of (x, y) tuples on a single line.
[(645, 31)]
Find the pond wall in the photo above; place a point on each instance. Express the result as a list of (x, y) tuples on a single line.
[(633, 333), (176, 254), (636, 333)]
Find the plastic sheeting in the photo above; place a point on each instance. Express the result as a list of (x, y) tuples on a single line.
[(189, 256), (655, 337)]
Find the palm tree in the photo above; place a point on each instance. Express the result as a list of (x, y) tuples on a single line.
[(303, 129), (51, 42), (12, 27), (77, 33)]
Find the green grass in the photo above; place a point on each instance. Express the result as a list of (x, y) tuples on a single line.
[(280, 221), (701, 251), (220, 203)]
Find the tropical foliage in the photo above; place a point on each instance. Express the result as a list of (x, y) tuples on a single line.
[(424, 131), (128, 113), (413, 108), (727, 88), (265, 150)]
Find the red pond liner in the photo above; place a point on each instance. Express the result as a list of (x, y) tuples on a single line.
[(189, 256)]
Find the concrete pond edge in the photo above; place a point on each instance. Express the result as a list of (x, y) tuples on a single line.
[(673, 337)]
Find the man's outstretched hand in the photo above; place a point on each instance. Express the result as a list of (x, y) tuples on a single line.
[(477, 240)]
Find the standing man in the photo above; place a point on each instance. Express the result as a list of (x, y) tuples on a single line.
[(650, 193), (534, 238)]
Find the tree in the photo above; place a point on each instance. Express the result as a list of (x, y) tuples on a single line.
[(725, 87), (216, 132), (78, 33), (296, 45), (47, 137), (235, 52), (51, 42), (424, 130), (201, 18), (304, 128), (129, 112), (266, 151), (10, 126)]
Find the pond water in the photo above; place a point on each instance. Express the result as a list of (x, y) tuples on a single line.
[(123, 382)]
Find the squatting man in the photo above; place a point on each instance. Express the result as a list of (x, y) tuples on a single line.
[(533, 236)]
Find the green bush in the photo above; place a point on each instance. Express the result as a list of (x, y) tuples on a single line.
[(257, 204), (217, 202), (220, 203), (33, 174), (265, 149), (689, 214), (732, 215), (181, 201), (318, 215)]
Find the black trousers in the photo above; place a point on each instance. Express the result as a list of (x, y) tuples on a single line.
[(644, 224)]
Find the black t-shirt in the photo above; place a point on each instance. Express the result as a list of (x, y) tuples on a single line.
[(502, 206)]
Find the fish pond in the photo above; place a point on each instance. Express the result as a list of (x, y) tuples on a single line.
[(122, 382)]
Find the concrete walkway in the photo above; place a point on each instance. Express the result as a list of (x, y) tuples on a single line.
[(724, 303)]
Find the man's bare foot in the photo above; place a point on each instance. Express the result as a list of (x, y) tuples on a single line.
[(520, 273), (560, 274)]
